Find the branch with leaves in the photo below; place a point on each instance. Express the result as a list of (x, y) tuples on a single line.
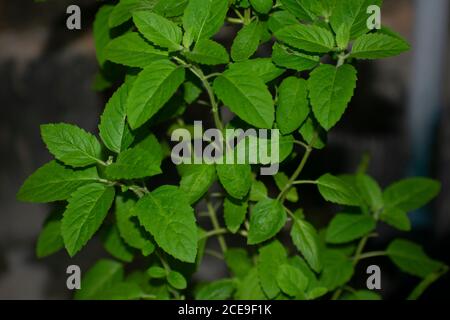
[(162, 56)]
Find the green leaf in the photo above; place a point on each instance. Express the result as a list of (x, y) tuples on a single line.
[(157, 272), (114, 129), (171, 8), (216, 290), (132, 50), (396, 218), (307, 37), (234, 213), (191, 92), (410, 258), (354, 14), (313, 133), (71, 145), (291, 280), (167, 215), (370, 192), (267, 219), (238, 262), (101, 277), (54, 182), (159, 30), (247, 96), (115, 246), (261, 67), (235, 178), (247, 41), (348, 227), (208, 52), (196, 179), (122, 291), (143, 160), (154, 86), (87, 208), (101, 32), (300, 8), (122, 12), (50, 239), (262, 6), (291, 59), (343, 36), (258, 191), (411, 194), (305, 238), (249, 288), (129, 228), (271, 257), (177, 280), (338, 191), (282, 180), (203, 19), (330, 91), (337, 270), (281, 19), (377, 46), (293, 105), (362, 295)]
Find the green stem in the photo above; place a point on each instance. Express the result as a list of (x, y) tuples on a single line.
[(304, 182), (425, 283), (294, 177), (214, 254), (204, 79), (357, 257), (215, 232), (371, 255), (216, 226)]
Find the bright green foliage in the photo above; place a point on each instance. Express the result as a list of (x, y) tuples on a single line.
[(84, 214), (234, 212), (330, 91), (247, 96), (143, 160), (411, 258), (53, 182), (266, 220), (114, 129), (348, 227), (208, 52), (172, 223), (154, 86), (217, 290), (162, 32), (271, 257), (50, 239), (247, 41), (306, 239), (71, 145), (168, 57), (132, 50), (293, 106), (235, 178)]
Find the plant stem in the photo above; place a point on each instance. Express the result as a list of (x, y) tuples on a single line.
[(214, 254), (304, 182), (204, 79), (425, 283), (371, 255), (215, 232), (215, 223), (294, 177)]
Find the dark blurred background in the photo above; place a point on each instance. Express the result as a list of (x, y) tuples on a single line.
[(400, 116)]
